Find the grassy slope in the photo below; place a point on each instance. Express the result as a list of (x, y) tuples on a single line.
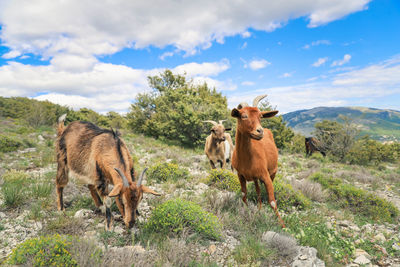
[(310, 227)]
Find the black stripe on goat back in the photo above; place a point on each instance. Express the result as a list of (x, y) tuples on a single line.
[(116, 134)]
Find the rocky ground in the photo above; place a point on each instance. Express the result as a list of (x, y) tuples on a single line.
[(18, 225)]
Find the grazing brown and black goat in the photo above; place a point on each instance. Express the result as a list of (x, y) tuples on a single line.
[(255, 156), (312, 144), (218, 147), (98, 157)]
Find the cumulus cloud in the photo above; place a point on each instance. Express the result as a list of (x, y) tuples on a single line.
[(321, 61), (79, 27), (372, 82), (257, 64), (346, 59), (166, 54), (102, 87), (247, 83), (286, 75)]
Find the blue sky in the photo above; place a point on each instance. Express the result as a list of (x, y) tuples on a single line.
[(302, 53)]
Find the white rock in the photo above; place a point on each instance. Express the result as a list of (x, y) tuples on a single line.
[(118, 229), (83, 213), (362, 259), (354, 228), (358, 252), (380, 237)]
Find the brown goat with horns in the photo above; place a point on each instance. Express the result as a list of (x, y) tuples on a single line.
[(98, 157), (255, 156)]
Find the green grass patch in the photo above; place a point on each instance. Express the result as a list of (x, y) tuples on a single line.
[(41, 189), (224, 179), (10, 143), (358, 200), (311, 230), (14, 188), (177, 215), (251, 251), (162, 172)]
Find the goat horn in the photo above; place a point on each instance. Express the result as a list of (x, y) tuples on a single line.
[(124, 180), (141, 177), (258, 99), (242, 105), (213, 122), (221, 121)]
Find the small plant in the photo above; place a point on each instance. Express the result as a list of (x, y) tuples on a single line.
[(177, 215), (251, 251), (9, 143), (13, 189), (41, 189), (44, 251), (285, 195), (358, 200), (162, 172), (224, 179)]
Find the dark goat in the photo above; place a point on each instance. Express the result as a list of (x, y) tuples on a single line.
[(312, 144)]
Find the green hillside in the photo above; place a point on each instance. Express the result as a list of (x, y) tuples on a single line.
[(379, 124)]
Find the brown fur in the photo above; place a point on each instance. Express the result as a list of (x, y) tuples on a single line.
[(215, 146), (91, 154), (312, 144), (255, 156)]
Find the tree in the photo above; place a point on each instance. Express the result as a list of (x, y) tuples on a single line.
[(175, 109), (336, 138)]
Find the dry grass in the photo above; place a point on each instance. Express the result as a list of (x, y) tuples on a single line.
[(361, 176), (286, 246), (310, 189)]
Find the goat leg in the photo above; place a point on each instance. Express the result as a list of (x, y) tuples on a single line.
[(244, 187), (258, 193), (271, 198)]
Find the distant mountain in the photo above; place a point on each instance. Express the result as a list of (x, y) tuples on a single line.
[(379, 124)]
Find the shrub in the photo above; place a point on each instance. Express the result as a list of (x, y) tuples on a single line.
[(14, 188), (9, 143), (224, 179), (176, 215), (44, 251), (285, 195), (251, 251), (41, 189), (297, 145), (162, 172), (358, 200)]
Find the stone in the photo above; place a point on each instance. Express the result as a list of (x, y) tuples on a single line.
[(118, 229), (329, 225), (380, 237), (307, 257), (358, 252), (83, 213), (212, 249), (362, 259), (354, 228), (344, 223)]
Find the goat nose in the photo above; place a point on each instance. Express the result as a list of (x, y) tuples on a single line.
[(260, 130)]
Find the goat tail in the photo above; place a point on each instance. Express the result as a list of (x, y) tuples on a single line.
[(60, 125)]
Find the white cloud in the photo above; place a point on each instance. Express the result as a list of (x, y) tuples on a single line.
[(11, 54), (102, 87), (257, 64), (166, 54), (346, 59), (316, 43), (244, 45), (247, 83), (321, 61), (372, 82), (246, 34), (87, 28), (286, 75)]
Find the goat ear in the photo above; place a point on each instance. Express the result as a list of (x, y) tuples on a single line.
[(228, 129), (116, 190), (269, 114), (149, 191), (235, 113)]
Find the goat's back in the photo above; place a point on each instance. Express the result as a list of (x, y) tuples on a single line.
[(85, 145)]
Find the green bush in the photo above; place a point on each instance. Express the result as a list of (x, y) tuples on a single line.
[(176, 215), (162, 172), (9, 143), (358, 200), (41, 189), (43, 251), (224, 179), (297, 145), (286, 197)]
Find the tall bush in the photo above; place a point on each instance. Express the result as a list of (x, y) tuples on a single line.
[(176, 108)]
